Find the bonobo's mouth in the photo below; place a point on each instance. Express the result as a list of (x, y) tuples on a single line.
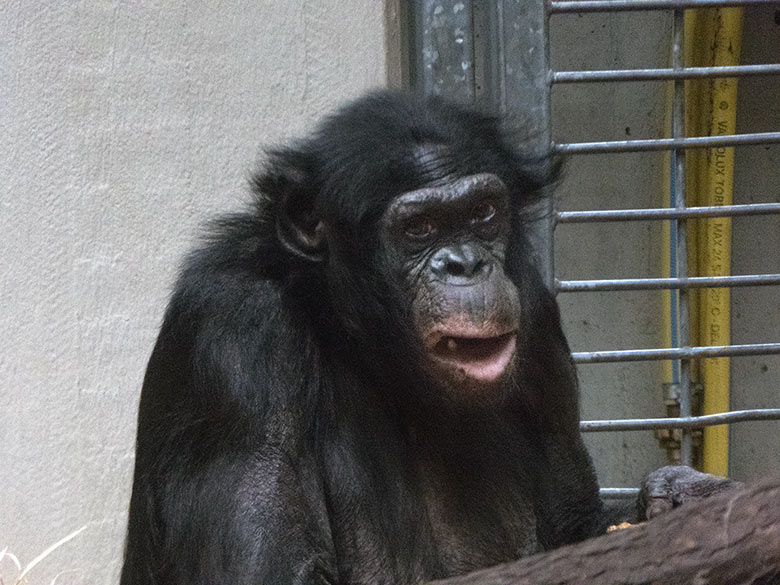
[(478, 357)]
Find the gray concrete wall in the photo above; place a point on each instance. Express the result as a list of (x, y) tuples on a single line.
[(124, 126), (625, 320), (755, 447), (612, 320)]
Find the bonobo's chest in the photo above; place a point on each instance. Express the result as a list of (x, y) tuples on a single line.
[(401, 521), (479, 516)]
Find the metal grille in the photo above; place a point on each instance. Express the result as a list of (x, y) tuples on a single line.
[(677, 146), (496, 55)]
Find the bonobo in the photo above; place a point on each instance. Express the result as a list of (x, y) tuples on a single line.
[(362, 378)]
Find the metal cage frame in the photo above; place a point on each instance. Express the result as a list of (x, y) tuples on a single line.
[(477, 53)]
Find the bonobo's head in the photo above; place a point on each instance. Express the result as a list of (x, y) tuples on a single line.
[(405, 217), (448, 242)]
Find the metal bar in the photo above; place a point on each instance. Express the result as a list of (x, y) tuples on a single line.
[(663, 74), (676, 353), (690, 422), (619, 493), (667, 143), (549, 275), (666, 213), (679, 283), (678, 170), (573, 6)]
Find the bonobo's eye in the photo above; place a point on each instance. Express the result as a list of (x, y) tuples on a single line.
[(419, 228), (483, 212)]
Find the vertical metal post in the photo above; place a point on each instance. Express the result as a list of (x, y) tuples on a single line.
[(522, 56), (678, 166), (492, 55), (442, 55)]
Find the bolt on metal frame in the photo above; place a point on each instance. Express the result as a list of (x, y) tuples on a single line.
[(496, 55)]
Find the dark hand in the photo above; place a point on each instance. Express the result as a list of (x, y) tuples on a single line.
[(671, 486)]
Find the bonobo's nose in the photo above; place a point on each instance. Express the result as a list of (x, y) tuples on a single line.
[(460, 264)]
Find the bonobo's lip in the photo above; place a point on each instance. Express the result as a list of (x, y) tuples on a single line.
[(477, 354)]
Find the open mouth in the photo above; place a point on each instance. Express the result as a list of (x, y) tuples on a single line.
[(480, 358)]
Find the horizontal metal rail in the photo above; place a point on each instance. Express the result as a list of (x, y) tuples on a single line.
[(675, 353), (678, 143), (619, 493), (663, 74), (666, 283), (573, 6), (667, 143), (666, 213), (688, 422)]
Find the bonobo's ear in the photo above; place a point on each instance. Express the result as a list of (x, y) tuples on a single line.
[(290, 183), (298, 228)]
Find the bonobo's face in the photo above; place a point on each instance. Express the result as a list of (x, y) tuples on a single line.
[(447, 243)]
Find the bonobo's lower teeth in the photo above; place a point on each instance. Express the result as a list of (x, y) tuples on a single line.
[(479, 358)]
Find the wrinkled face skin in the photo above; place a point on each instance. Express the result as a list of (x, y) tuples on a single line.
[(447, 243)]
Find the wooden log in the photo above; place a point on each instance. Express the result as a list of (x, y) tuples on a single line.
[(730, 538)]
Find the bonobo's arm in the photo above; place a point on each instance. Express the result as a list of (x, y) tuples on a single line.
[(234, 521), (216, 501), (226, 486)]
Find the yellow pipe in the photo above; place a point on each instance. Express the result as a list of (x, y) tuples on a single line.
[(703, 106), (715, 320), (712, 37), (697, 31), (697, 119)]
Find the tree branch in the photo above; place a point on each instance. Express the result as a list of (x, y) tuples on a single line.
[(730, 538)]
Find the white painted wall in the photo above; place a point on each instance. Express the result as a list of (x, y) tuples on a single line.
[(124, 125)]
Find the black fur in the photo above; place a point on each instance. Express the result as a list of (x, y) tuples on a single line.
[(285, 434)]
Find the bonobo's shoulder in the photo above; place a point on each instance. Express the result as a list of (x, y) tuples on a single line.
[(232, 244), (226, 268)]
